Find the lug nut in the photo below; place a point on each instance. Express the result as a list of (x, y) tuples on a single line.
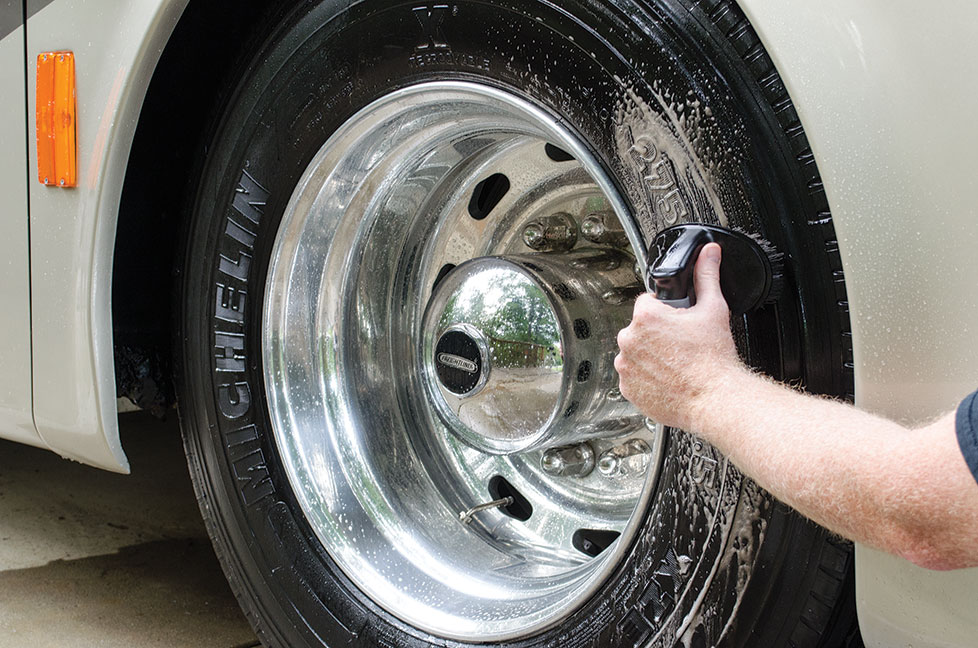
[(604, 227), (593, 229), (569, 461), (534, 236), (629, 458), (555, 233)]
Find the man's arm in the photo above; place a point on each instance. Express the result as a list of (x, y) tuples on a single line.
[(905, 491)]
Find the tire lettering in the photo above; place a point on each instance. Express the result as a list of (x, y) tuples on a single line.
[(655, 603), (702, 466), (635, 629), (430, 18), (660, 596), (672, 207), (237, 438), (434, 48), (230, 303), (642, 150), (251, 474), (248, 465), (250, 198), (234, 399), (249, 201), (447, 57), (658, 179), (234, 394), (236, 269), (240, 234), (230, 355)]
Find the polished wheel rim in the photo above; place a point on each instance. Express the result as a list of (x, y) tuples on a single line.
[(438, 342)]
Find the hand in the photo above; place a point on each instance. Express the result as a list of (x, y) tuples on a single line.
[(672, 357)]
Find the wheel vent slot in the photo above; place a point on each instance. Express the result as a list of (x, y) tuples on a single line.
[(582, 330), (521, 509), (571, 409), (557, 154), (445, 269), (564, 292), (583, 371), (593, 541), (487, 195)]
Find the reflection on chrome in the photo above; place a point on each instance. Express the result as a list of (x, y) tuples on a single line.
[(399, 319), (549, 359)]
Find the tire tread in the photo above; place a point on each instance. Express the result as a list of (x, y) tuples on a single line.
[(819, 622)]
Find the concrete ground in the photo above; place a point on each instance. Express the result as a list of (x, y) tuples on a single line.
[(90, 558)]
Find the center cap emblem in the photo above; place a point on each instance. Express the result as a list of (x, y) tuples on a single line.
[(459, 361)]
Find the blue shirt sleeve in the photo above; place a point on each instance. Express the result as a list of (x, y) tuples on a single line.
[(966, 424)]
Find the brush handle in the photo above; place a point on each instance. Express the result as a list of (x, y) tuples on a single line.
[(673, 256)]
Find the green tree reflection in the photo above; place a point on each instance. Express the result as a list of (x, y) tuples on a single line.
[(515, 313)]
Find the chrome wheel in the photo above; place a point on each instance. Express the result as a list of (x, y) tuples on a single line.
[(438, 336)]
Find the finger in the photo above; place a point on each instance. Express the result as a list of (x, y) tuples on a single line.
[(706, 275)]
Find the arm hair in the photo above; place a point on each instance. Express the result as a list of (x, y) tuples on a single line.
[(906, 491)]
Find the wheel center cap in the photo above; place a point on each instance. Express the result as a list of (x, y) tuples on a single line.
[(492, 354), (461, 360), (513, 357)]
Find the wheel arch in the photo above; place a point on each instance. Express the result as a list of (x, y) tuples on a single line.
[(129, 56), (169, 140), (72, 231)]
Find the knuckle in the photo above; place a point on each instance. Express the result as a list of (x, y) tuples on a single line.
[(624, 337), (619, 362), (646, 304)]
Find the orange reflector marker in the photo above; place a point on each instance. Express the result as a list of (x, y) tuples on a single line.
[(56, 151)]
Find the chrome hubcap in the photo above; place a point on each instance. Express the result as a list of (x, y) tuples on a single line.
[(519, 350), (439, 332)]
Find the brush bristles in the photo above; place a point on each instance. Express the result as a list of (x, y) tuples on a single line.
[(776, 260)]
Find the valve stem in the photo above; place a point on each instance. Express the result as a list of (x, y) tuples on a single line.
[(466, 516)]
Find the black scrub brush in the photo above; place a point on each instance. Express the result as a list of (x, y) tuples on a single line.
[(751, 270)]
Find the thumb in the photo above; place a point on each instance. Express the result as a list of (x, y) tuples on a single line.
[(706, 275)]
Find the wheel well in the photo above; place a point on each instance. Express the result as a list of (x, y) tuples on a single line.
[(193, 76)]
